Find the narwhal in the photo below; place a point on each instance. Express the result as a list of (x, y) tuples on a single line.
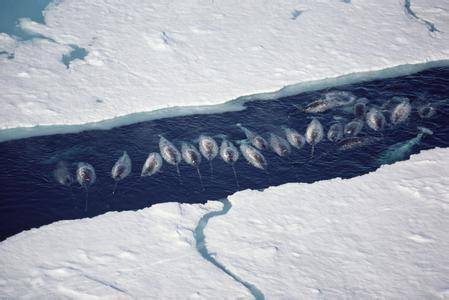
[(330, 100), (279, 145), (401, 111), (170, 153), (359, 108), (295, 139), (208, 148), (375, 119), (253, 138), (401, 150), (335, 132), (62, 174), (353, 128), (152, 164), (121, 169), (314, 134), (230, 154), (192, 157), (253, 156), (85, 175), (426, 111), (356, 142)]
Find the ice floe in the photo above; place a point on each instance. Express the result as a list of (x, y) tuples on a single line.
[(147, 57), (366, 237)]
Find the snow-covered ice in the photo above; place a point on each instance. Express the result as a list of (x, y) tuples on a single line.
[(380, 235), (149, 254), (152, 56)]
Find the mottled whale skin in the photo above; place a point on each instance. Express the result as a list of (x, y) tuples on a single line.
[(208, 147), (353, 128), (426, 111), (190, 154), (169, 152), (85, 174), (401, 111), (356, 142), (228, 152), (254, 139), (314, 133), (253, 156), (335, 132), (279, 145), (329, 101), (152, 164), (375, 119), (122, 168), (295, 139)]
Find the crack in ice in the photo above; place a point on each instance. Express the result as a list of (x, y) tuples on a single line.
[(408, 10), (199, 236)]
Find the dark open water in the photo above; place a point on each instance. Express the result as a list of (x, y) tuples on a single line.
[(30, 197)]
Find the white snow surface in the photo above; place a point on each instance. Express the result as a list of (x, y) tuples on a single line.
[(149, 254), (378, 236), (381, 235), (147, 56)]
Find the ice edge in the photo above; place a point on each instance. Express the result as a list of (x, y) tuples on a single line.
[(232, 105)]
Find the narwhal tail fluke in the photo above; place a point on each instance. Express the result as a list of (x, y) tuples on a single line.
[(201, 178), (235, 176)]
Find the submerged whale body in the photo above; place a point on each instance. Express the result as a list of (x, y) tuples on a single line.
[(329, 101), (356, 142), (62, 174), (353, 128), (335, 132), (401, 150), (254, 139), (253, 156), (426, 111), (359, 108), (375, 119), (401, 111), (295, 139), (152, 164), (122, 168), (279, 145), (314, 133)]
